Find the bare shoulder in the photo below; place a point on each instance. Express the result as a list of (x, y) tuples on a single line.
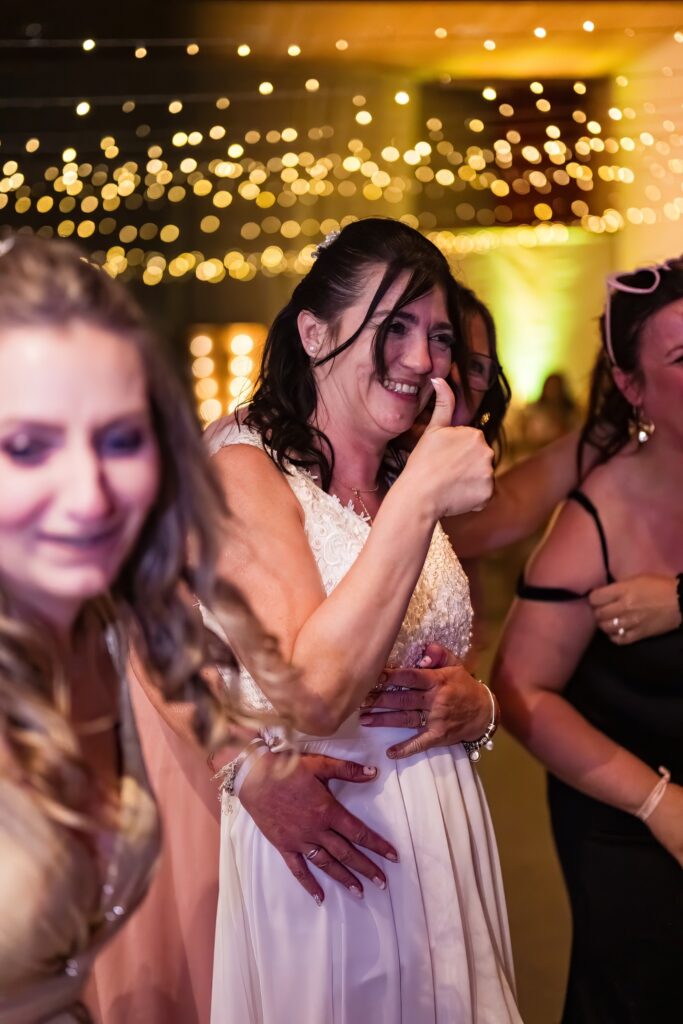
[(250, 478), (610, 479), (570, 554)]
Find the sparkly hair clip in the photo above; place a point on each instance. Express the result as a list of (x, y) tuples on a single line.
[(326, 243), (6, 244)]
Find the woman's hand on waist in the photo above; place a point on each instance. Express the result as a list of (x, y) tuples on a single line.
[(305, 823), (439, 698)]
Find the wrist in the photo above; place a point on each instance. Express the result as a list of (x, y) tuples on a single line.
[(649, 805), (489, 707), (232, 775), (425, 510), (485, 741)]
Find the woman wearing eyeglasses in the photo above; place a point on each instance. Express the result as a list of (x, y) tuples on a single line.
[(607, 720), (527, 492)]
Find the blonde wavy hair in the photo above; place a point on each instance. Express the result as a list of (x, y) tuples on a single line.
[(153, 600)]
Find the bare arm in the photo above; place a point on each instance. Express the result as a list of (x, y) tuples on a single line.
[(541, 645), (524, 497), (339, 643)]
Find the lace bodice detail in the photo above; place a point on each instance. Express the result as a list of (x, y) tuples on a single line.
[(439, 609)]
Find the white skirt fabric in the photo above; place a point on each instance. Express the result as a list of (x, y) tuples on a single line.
[(432, 948)]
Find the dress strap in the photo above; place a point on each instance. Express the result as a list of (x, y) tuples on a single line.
[(592, 511), (529, 592)]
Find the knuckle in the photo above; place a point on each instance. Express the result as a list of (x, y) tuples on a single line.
[(360, 837)]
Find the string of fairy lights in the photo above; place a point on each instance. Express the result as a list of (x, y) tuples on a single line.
[(276, 164), (266, 182)]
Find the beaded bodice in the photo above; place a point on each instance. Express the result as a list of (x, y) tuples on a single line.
[(439, 609)]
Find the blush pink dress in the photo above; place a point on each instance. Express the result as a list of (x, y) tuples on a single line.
[(57, 909), (158, 969)]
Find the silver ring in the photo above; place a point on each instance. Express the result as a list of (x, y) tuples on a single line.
[(312, 852), (423, 718), (621, 631)]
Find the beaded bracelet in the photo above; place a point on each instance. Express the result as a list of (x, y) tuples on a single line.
[(473, 747), (227, 775)]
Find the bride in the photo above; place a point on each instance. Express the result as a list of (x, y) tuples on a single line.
[(352, 574)]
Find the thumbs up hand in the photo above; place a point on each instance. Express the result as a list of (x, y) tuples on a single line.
[(442, 414), (451, 468)]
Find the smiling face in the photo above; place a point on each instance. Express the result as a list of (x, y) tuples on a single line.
[(660, 395), (418, 347), (79, 465)]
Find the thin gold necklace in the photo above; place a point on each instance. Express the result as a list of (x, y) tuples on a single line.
[(357, 493)]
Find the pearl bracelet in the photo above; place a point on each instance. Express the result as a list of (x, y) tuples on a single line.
[(473, 747), (651, 801)]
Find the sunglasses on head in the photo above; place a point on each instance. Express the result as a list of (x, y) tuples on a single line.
[(628, 282)]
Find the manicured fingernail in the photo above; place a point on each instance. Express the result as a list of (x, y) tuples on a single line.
[(365, 719), (379, 882), (318, 899), (369, 770), (357, 892), (392, 856), (424, 662)]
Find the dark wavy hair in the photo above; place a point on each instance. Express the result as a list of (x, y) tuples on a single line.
[(285, 398), (494, 405), (609, 421)]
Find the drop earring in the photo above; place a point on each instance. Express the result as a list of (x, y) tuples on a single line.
[(643, 429)]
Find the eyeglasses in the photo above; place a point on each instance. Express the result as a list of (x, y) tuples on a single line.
[(625, 283), (482, 371)]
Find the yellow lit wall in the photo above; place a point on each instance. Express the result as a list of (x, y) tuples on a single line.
[(545, 292)]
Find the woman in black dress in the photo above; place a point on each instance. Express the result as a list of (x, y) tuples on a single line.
[(607, 720)]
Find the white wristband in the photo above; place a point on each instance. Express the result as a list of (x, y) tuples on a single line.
[(656, 794)]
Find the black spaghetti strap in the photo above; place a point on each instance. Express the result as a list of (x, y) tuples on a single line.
[(592, 511), (530, 592)]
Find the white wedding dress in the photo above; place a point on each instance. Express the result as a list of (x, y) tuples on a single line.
[(434, 947)]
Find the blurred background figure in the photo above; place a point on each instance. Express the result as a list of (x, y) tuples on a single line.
[(553, 414)]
